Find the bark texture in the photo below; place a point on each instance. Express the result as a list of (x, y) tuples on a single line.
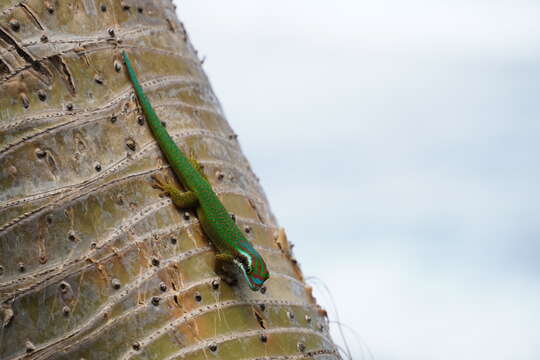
[(93, 263)]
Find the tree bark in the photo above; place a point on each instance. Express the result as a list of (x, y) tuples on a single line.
[(94, 264)]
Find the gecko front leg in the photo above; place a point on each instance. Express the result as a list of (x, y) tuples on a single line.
[(224, 262), (181, 199), (196, 164)]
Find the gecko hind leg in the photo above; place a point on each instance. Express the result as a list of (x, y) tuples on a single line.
[(223, 265), (181, 199)]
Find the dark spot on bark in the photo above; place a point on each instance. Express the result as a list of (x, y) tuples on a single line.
[(131, 145), (42, 95), (40, 153), (15, 25), (290, 315), (25, 101), (64, 287), (116, 284), (29, 346), (260, 320), (71, 235)]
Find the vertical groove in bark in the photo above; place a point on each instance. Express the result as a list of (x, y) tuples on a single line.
[(93, 263)]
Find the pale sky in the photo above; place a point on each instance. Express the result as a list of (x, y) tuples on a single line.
[(398, 143)]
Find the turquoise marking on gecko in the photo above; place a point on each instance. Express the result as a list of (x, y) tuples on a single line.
[(229, 241)]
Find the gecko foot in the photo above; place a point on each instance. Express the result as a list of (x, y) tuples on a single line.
[(161, 183), (228, 279), (224, 269)]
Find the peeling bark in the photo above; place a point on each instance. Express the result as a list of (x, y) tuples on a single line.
[(32, 15), (93, 263), (63, 69)]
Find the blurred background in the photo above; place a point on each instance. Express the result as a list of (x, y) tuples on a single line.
[(398, 144)]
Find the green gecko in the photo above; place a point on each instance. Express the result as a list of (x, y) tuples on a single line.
[(229, 241)]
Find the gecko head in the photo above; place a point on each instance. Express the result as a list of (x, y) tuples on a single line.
[(254, 270)]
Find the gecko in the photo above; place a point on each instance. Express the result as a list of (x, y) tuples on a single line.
[(232, 247)]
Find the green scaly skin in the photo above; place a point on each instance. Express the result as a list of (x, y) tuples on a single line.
[(229, 241)]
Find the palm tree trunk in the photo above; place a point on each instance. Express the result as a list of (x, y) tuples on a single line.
[(93, 263)]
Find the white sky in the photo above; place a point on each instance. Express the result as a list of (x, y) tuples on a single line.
[(398, 144)]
